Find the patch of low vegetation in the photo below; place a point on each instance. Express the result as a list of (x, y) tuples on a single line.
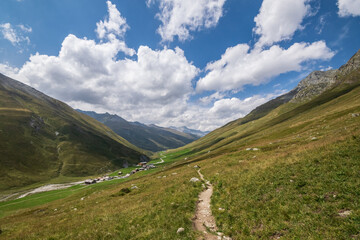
[(160, 204), (122, 192)]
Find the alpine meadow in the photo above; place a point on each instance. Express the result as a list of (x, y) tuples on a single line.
[(180, 119)]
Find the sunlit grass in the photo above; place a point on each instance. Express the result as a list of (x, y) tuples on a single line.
[(304, 176)]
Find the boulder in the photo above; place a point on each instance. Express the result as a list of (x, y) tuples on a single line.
[(345, 213), (226, 238), (180, 230), (194, 179)]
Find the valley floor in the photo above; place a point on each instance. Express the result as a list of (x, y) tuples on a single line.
[(308, 194), (295, 178)]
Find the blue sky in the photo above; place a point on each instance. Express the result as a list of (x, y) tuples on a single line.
[(194, 63)]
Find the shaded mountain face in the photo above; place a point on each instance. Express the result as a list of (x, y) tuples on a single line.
[(148, 137), (42, 138)]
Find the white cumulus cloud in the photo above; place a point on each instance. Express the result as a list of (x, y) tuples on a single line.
[(219, 113), (349, 8), (238, 66), (155, 86), (279, 19), (86, 72), (8, 70), (180, 17), (152, 87)]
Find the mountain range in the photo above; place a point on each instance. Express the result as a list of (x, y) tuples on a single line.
[(148, 137), (289, 169), (318, 88), (42, 138)]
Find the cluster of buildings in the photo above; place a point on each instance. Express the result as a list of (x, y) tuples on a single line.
[(99, 179), (143, 166)]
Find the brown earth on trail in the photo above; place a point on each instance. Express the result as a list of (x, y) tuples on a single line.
[(204, 221)]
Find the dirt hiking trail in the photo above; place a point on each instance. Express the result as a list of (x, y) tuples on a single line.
[(204, 221)]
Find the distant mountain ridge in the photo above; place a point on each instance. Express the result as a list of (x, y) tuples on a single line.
[(190, 131), (42, 138), (148, 137)]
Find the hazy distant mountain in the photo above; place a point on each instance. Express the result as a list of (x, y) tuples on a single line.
[(148, 137), (190, 131), (42, 138)]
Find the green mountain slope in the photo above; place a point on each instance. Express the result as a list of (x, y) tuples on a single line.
[(312, 92), (152, 137), (42, 138), (291, 174)]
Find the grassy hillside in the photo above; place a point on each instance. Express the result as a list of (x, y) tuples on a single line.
[(287, 190), (291, 174), (151, 138), (42, 138)]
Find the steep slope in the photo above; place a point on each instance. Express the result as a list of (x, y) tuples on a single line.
[(149, 137), (313, 85), (291, 174), (42, 138), (316, 89)]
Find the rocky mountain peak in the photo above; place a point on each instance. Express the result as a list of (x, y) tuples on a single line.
[(318, 82), (351, 65), (314, 84)]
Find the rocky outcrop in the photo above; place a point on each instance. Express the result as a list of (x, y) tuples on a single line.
[(319, 81), (351, 65), (314, 84)]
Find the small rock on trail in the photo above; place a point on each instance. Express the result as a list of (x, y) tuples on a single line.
[(194, 179)]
